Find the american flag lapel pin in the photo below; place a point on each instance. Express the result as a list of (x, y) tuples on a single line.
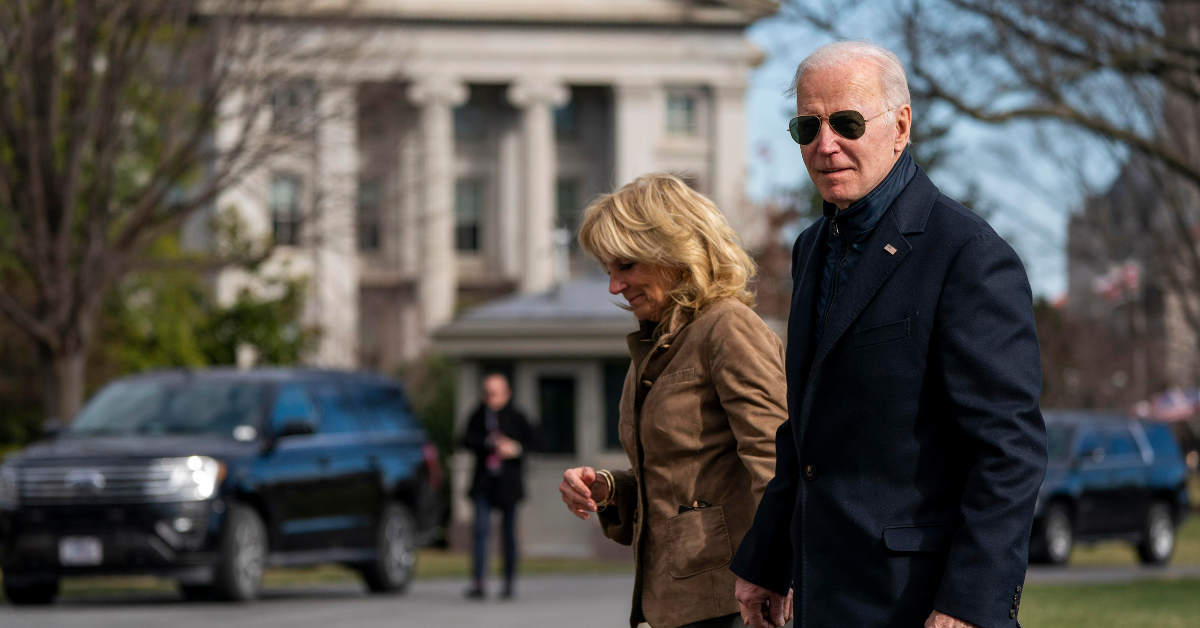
[(890, 249)]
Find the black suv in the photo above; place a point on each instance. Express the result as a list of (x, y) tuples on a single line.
[(209, 476), (1109, 477)]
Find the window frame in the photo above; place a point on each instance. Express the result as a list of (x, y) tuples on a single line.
[(292, 216)]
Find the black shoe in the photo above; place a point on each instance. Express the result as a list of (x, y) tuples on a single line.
[(474, 593), (508, 593)]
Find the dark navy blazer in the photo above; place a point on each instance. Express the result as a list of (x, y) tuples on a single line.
[(909, 466)]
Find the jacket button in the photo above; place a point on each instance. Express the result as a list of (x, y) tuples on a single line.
[(647, 383), (810, 472)]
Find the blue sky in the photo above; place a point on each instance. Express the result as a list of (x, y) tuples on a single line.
[(1030, 192)]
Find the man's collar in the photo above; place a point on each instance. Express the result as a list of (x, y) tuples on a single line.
[(864, 214)]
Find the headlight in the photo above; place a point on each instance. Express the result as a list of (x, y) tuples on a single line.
[(10, 486), (193, 478)]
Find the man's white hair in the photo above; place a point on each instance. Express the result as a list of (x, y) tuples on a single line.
[(891, 70)]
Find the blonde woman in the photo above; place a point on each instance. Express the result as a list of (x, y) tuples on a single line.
[(702, 401)]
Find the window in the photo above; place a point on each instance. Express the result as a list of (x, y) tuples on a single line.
[(468, 208), (1121, 444), (337, 415), (292, 106), (292, 404), (368, 215), (567, 195), (566, 122), (614, 385), (556, 401), (384, 407), (681, 114), (469, 122), (1089, 442), (284, 202)]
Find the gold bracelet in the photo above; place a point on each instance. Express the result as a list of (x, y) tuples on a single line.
[(611, 484)]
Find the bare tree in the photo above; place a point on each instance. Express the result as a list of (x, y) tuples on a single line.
[(119, 120)]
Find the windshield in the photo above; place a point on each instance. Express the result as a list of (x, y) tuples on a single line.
[(1058, 441), (155, 408)]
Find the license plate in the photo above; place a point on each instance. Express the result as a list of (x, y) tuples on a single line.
[(80, 551)]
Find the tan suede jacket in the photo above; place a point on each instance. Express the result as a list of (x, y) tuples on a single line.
[(698, 418)]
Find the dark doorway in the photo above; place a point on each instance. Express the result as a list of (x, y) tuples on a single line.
[(556, 398)]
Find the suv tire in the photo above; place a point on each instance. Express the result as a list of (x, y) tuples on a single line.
[(1053, 536), (32, 591), (1158, 535), (238, 573), (395, 548)]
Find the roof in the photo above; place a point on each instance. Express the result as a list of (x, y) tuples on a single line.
[(586, 298), (575, 319), (681, 12)]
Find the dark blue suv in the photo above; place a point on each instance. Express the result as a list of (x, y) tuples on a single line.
[(1109, 477), (209, 476)]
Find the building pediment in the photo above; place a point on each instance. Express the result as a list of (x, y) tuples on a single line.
[(660, 12)]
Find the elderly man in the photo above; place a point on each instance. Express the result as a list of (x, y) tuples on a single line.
[(907, 471)]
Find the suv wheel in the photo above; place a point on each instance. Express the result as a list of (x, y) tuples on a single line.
[(239, 570), (1053, 536), (1158, 537), (396, 546), (24, 592)]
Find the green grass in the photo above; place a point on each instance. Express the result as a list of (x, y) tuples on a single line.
[(1143, 604), (1114, 553)]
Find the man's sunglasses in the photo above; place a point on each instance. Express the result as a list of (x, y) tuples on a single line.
[(849, 124)]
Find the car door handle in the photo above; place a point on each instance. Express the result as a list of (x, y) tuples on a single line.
[(323, 461), (373, 462)]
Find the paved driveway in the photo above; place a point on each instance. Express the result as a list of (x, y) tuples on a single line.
[(575, 601), (545, 601)]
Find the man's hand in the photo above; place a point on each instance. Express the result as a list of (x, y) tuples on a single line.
[(762, 608), (579, 488), (507, 448), (942, 620)]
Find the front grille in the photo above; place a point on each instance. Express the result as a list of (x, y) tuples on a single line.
[(140, 482)]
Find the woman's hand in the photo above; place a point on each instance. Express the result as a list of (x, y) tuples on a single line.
[(580, 489)]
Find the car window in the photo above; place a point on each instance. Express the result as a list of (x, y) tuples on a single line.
[(337, 415), (1162, 440), (384, 406), (1058, 441), (169, 407), (1121, 443), (292, 404), (1089, 441)]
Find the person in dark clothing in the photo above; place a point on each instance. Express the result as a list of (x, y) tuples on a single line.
[(908, 469), (500, 436)]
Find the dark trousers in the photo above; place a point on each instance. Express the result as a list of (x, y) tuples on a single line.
[(483, 525)]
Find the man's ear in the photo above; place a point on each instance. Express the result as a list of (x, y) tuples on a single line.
[(903, 127)]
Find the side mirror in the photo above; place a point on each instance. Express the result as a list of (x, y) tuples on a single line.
[(52, 428), (297, 427), (291, 427)]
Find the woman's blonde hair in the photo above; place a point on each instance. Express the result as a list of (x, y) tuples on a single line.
[(658, 220)]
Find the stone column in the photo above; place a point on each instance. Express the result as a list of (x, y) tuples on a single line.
[(437, 278), (508, 170), (331, 228), (727, 143), (639, 125), (537, 98)]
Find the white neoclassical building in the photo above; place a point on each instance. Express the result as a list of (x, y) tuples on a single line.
[(452, 156)]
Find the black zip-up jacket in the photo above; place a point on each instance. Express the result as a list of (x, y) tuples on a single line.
[(849, 230)]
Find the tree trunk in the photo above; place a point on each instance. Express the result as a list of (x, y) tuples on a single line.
[(62, 381)]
